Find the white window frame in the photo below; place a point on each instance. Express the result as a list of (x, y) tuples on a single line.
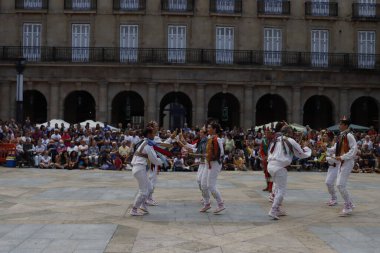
[(32, 41), (272, 46), (320, 7), (273, 6), (320, 48), (225, 40), (177, 5), (177, 43), (129, 4), (367, 8), (33, 4), (80, 42), (129, 43), (81, 4), (366, 49), (225, 5)]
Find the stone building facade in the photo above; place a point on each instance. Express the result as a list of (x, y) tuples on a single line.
[(244, 62)]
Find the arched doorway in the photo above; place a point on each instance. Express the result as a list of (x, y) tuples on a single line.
[(365, 112), (318, 112), (270, 108), (79, 106), (128, 107), (175, 110), (35, 106), (226, 108)]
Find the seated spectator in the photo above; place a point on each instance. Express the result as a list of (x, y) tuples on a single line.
[(107, 163), (239, 163), (377, 154), (29, 151), (62, 160), (52, 149), (39, 151), (82, 161), (73, 160), (117, 162), (179, 163), (93, 154), (228, 162), (72, 148), (83, 148), (124, 151), (66, 138), (55, 136), (61, 147), (46, 162), (367, 159)]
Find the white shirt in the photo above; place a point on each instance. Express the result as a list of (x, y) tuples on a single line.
[(45, 159), (55, 137), (279, 159), (71, 149), (144, 148), (350, 155)]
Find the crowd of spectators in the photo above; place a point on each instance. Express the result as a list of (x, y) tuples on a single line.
[(85, 147)]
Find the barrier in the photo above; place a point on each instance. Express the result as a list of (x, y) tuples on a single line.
[(5, 150)]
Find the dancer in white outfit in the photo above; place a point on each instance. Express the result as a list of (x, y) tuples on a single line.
[(214, 154), (280, 156), (332, 171), (345, 152), (143, 157)]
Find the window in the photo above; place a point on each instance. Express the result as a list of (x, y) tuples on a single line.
[(80, 42), (129, 4), (32, 42), (224, 45), (33, 4), (225, 5), (272, 46), (273, 6), (320, 7), (81, 4), (129, 43), (367, 8), (176, 44), (366, 49), (319, 48), (177, 5)]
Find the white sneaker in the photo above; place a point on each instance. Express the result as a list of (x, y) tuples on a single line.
[(151, 202), (144, 210), (281, 212), (134, 212), (347, 210), (219, 209), (274, 214), (332, 202), (205, 208)]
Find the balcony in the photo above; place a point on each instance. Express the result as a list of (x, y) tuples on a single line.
[(186, 56), (365, 12), (81, 6), (273, 8), (32, 6), (226, 7), (129, 6), (177, 7), (321, 9)]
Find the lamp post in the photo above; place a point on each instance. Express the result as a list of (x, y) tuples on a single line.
[(20, 66)]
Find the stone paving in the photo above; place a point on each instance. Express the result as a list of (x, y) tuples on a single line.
[(58, 211)]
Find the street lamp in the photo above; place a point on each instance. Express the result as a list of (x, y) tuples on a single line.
[(20, 66)]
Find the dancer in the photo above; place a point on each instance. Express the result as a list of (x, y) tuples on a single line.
[(264, 162), (345, 152), (143, 156), (280, 155), (214, 154), (332, 171)]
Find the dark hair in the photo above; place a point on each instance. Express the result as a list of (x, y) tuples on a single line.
[(216, 126), (279, 126), (147, 131)]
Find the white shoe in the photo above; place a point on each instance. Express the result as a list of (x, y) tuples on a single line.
[(134, 212), (219, 209), (281, 212), (347, 210), (205, 208), (151, 202), (274, 214), (332, 202), (144, 210)]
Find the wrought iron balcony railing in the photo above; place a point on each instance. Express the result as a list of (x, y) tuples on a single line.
[(177, 6), (31, 4), (129, 5), (80, 5), (192, 57), (273, 7), (226, 7), (321, 9), (366, 11)]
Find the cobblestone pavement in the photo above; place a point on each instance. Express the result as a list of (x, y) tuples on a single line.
[(62, 211)]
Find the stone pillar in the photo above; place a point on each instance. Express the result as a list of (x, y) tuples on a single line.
[(254, 103), (5, 103), (344, 109), (248, 107), (200, 109), (54, 104), (12, 99), (296, 106), (152, 103), (102, 107)]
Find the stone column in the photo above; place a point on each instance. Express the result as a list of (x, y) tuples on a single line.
[(102, 107), (248, 107), (296, 106), (200, 109), (5, 103), (254, 103), (344, 109), (152, 103), (54, 104), (12, 99)]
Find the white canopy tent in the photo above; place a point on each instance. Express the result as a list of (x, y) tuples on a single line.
[(55, 121), (93, 124)]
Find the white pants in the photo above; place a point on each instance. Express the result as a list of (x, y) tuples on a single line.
[(280, 180), (37, 160), (139, 172), (332, 174), (152, 180), (341, 183), (201, 169), (208, 183)]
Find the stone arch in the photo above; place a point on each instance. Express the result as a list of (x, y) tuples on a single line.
[(365, 111), (35, 106), (269, 108), (128, 107), (79, 106), (226, 108), (175, 110), (318, 112)]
